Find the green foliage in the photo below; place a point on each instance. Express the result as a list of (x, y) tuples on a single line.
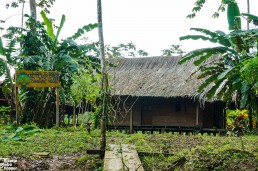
[(214, 37), (233, 14), (84, 118), (95, 161), (20, 133), (249, 72), (44, 4), (201, 152), (4, 114), (237, 121), (84, 29), (212, 159), (86, 86), (124, 50), (198, 5), (224, 69), (251, 18), (49, 25), (41, 50), (174, 50), (57, 142)]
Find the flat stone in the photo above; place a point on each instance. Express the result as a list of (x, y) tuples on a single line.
[(122, 159)]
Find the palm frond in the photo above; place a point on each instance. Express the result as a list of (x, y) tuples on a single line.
[(2, 50), (207, 82), (205, 53), (212, 91), (214, 37), (59, 28), (244, 94), (233, 14), (223, 74), (84, 29), (48, 24)]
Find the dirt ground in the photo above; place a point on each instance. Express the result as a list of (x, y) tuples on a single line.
[(55, 163)]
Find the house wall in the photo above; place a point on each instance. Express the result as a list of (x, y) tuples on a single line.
[(213, 115), (120, 114), (168, 112), (157, 111)]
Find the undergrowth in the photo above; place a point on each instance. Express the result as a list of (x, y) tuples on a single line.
[(200, 152), (55, 141)]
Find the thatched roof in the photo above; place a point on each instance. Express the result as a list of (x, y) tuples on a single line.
[(153, 76)]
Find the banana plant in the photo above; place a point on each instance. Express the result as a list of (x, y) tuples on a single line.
[(226, 78), (6, 64), (42, 50), (233, 15), (222, 72)]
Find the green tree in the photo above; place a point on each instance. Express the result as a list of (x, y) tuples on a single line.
[(43, 4), (41, 50), (224, 76), (124, 50), (174, 50)]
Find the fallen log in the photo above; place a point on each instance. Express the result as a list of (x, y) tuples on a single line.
[(143, 153), (95, 152), (41, 154)]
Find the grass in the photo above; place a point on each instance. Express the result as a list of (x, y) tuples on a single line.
[(201, 152), (56, 141)]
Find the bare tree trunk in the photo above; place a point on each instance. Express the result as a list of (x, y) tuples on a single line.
[(22, 15), (33, 11), (250, 115), (248, 11), (104, 81)]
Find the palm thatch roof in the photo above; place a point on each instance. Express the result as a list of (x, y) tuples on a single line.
[(154, 77)]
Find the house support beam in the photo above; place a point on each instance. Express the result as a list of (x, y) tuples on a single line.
[(57, 107), (131, 118), (197, 114), (16, 106), (224, 118), (131, 121)]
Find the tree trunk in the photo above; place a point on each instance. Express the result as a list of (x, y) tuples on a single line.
[(104, 81), (248, 11), (33, 11)]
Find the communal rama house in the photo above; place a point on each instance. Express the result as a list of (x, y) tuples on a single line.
[(158, 94)]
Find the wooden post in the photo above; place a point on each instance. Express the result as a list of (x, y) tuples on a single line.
[(131, 118), (224, 118), (57, 107), (16, 105), (197, 114), (74, 115)]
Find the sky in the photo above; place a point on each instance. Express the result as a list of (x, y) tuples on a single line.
[(152, 25)]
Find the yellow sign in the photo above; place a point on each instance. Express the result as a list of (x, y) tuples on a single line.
[(31, 78)]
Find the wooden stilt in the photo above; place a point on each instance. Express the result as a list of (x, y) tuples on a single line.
[(16, 106), (197, 114), (131, 118), (57, 107)]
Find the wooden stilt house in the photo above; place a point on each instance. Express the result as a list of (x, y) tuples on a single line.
[(157, 93)]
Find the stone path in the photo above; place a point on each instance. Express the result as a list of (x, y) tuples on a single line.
[(122, 157)]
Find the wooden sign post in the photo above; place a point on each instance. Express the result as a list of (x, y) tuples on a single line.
[(29, 78)]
